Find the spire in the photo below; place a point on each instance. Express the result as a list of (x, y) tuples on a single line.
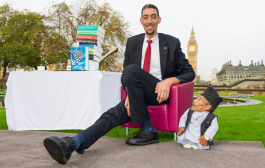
[(251, 63), (239, 63), (192, 35), (192, 30)]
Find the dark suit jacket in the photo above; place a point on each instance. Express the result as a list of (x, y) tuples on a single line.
[(172, 60)]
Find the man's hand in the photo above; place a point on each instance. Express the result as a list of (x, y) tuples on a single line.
[(203, 141), (127, 105), (162, 88), (181, 129)]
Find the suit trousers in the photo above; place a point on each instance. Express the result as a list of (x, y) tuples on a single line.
[(140, 87)]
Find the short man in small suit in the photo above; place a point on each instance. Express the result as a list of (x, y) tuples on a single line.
[(198, 125), (153, 62)]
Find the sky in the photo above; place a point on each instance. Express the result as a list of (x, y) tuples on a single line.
[(225, 30)]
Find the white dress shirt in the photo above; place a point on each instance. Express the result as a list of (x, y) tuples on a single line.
[(193, 132), (155, 69)]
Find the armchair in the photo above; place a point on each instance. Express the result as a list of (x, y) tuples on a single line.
[(165, 117)]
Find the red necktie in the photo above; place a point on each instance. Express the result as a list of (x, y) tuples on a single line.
[(147, 57)]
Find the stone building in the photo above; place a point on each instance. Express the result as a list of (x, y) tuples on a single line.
[(230, 73), (213, 77)]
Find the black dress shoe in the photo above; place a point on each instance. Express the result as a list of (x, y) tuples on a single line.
[(60, 149), (143, 137)]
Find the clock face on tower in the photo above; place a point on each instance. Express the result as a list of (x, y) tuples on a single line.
[(192, 48)]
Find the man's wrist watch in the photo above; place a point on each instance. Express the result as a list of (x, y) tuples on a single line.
[(206, 138)]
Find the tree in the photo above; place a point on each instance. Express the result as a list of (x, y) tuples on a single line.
[(61, 20), (4, 15), (22, 40), (65, 21), (59, 35), (29, 39), (116, 29), (55, 49)]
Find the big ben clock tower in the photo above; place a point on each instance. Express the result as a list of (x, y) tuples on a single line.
[(192, 50)]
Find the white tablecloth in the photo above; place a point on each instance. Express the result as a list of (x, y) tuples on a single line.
[(44, 100)]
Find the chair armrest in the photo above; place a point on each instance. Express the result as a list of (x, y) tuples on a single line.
[(123, 94), (181, 97)]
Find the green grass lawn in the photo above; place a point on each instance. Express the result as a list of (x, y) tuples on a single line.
[(236, 123), (242, 123), (2, 92), (3, 125)]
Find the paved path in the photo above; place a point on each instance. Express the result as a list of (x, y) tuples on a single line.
[(25, 150)]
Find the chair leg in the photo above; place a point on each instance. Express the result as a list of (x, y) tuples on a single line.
[(175, 136), (127, 131)]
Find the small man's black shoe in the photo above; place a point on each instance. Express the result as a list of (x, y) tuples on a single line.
[(143, 137), (60, 149)]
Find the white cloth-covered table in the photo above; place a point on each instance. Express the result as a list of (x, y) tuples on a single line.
[(43, 100)]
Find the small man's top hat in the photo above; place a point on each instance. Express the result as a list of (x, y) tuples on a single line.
[(212, 97)]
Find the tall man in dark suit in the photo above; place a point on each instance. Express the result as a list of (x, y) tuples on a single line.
[(153, 62)]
